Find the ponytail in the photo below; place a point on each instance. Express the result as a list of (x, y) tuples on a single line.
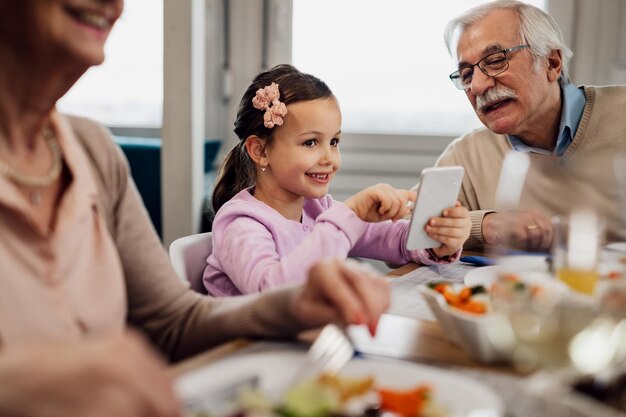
[(236, 173)]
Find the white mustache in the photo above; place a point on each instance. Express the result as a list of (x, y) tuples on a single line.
[(494, 95)]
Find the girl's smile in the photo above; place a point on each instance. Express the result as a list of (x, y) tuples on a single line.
[(302, 157), (320, 178)]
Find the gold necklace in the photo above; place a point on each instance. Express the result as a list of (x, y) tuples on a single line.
[(31, 181)]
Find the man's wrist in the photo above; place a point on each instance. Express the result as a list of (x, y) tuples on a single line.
[(477, 231)]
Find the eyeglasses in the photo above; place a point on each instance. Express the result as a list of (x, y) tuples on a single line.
[(491, 65)]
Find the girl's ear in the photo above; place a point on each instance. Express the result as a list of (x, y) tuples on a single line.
[(255, 146)]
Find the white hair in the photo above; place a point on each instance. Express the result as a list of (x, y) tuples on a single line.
[(537, 29)]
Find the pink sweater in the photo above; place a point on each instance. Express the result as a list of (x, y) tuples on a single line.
[(256, 248)]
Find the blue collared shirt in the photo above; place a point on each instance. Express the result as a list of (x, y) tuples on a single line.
[(573, 105)]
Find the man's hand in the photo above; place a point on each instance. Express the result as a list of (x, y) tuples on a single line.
[(529, 230), (112, 376), (341, 292)]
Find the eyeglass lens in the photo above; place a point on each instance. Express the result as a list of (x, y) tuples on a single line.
[(490, 65)]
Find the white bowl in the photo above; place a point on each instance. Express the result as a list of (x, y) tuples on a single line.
[(619, 247), (488, 338), (469, 331)]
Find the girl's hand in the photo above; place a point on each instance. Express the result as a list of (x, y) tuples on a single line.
[(381, 202), (452, 230)]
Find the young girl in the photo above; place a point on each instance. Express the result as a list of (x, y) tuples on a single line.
[(274, 218)]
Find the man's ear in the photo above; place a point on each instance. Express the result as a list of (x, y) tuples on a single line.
[(255, 146), (555, 65)]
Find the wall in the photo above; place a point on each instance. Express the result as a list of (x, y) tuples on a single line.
[(596, 32)]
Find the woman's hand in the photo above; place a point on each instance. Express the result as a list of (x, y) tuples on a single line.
[(452, 230), (108, 376), (381, 202), (343, 292)]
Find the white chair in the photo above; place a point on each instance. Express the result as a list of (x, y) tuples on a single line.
[(188, 256)]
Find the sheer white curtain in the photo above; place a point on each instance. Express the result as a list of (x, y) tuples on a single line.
[(127, 90)]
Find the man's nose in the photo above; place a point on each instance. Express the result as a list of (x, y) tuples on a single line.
[(481, 82)]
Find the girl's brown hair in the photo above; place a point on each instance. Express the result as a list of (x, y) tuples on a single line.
[(238, 171)]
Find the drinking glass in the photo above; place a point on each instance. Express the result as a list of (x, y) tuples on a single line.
[(542, 317), (578, 239)]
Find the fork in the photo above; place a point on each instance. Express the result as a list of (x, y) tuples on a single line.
[(327, 355)]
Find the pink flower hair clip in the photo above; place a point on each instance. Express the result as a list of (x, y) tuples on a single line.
[(267, 99)]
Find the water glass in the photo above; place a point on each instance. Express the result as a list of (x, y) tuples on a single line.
[(576, 250)]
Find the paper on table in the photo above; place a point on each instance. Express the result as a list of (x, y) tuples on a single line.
[(405, 297)]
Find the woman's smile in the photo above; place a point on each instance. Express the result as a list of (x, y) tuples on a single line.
[(97, 22)]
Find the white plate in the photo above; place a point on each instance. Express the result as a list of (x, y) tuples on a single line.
[(486, 275), (617, 247), (460, 395)]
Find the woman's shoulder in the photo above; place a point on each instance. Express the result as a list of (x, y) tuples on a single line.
[(90, 133), (98, 144)]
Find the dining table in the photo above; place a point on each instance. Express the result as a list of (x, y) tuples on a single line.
[(408, 331)]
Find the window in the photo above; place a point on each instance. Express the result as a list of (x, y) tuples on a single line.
[(127, 89), (386, 62)]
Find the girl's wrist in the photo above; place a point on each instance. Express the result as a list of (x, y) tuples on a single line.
[(350, 204), (441, 253)]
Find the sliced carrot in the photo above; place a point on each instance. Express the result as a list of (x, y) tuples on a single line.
[(406, 403), (476, 307), (465, 294)]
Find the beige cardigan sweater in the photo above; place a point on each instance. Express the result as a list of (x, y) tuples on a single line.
[(179, 321), (584, 175)]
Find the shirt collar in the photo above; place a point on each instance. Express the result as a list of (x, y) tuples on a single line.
[(574, 101), (75, 157)]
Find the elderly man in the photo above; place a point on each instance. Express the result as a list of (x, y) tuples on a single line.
[(513, 67)]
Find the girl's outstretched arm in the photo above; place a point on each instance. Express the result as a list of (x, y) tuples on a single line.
[(256, 251), (381, 202)]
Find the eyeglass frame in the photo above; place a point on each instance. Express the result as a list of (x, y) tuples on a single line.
[(477, 64)]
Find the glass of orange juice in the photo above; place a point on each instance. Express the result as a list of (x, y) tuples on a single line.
[(576, 249)]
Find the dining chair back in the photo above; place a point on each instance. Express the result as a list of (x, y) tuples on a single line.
[(188, 255)]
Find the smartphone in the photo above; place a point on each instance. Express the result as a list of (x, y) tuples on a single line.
[(438, 189)]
